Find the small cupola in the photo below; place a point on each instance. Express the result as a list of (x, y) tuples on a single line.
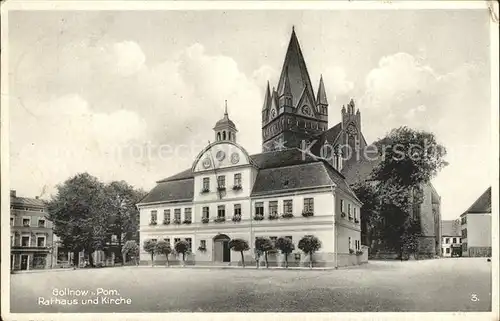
[(225, 129)]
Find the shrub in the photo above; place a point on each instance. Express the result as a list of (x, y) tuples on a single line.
[(130, 247), (236, 218), (150, 247), (286, 246), (309, 244), (287, 215), (239, 245), (258, 217), (307, 214), (219, 219), (273, 216)]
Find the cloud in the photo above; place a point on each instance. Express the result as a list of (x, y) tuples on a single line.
[(128, 57), (336, 83)]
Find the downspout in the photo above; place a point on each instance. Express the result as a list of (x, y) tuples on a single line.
[(335, 226)]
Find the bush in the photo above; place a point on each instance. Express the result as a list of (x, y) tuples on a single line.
[(307, 214), (239, 245), (182, 247), (309, 244), (263, 245), (286, 246), (258, 217)]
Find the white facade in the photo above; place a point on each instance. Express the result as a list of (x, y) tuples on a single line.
[(448, 243), (476, 234)]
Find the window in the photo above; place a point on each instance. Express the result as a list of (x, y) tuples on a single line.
[(154, 240), (349, 242), (447, 250), (447, 240), (166, 216), (464, 233), (167, 240), (203, 244), (26, 222), (11, 221), (237, 179), (41, 223), (349, 209), (221, 211), (187, 214), (287, 206), (273, 207), (40, 241), (308, 205), (176, 240), (221, 181), (154, 216), (206, 183), (25, 240), (259, 208), (454, 240), (464, 219), (273, 239), (205, 212), (237, 209), (190, 244), (11, 240), (464, 246), (177, 214), (355, 210)]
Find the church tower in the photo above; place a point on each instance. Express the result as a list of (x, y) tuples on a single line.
[(292, 113), (225, 129)]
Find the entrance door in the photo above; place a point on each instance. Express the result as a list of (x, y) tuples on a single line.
[(24, 262), (222, 252)]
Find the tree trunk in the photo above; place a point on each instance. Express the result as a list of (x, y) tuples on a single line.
[(258, 261), (310, 260), (286, 260), (183, 261), (91, 258), (120, 247), (168, 263), (152, 259), (242, 259), (76, 256), (267, 263), (124, 256)]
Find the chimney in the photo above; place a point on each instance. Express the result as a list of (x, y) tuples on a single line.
[(12, 193)]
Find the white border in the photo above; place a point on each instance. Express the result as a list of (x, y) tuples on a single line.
[(241, 5)]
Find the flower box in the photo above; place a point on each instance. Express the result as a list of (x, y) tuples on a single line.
[(205, 220), (350, 218), (152, 223), (287, 215), (236, 218), (202, 249), (307, 214), (237, 187), (205, 190), (342, 215), (356, 221), (166, 222), (351, 251), (221, 188), (359, 252), (258, 217), (273, 217), (186, 222), (219, 219), (177, 222)]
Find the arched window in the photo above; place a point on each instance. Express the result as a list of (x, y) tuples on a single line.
[(224, 135), (218, 136), (229, 133)]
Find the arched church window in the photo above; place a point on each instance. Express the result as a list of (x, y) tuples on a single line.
[(229, 133), (218, 136), (224, 135)]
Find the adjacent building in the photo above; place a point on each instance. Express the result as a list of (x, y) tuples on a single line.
[(476, 227), (31, 237), (451, 244)]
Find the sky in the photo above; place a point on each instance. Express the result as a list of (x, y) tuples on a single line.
[(134, 95)]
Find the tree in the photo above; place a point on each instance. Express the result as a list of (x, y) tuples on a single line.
[(264, 245), (309, 244), (163, 247), (124, 214), (80, 214), (286, 246), (150, 247), (130, 247), (239, 245), (182, 247)]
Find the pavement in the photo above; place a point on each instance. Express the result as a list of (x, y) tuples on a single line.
[(441, 285)]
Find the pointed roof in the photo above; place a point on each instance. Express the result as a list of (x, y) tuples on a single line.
[(267, 98), (286, 89), (321, 99), (225, 122), (482, 204), (294, 68)]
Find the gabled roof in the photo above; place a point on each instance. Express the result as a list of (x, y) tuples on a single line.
[(295, 67), (450, 228), (482, 204), (188, 173), (169, 191), (26, 201)]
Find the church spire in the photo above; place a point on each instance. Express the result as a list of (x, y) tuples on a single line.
[(267, 98), (294, 68), (321, 98)]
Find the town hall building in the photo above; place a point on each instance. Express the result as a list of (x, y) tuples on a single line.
[(299, 185)]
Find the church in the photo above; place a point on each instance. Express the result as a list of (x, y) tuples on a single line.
[(299, 184)]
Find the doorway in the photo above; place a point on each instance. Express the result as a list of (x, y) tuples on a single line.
[(24, 262), (222, 252)]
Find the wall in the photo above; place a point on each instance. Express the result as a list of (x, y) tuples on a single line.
[(479, 230)]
